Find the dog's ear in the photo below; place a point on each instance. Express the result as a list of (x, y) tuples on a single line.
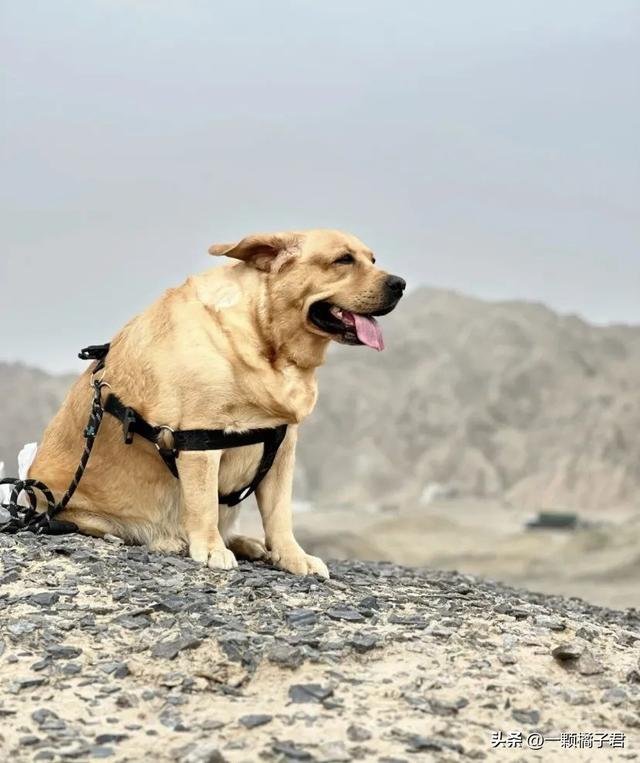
[(265, 251)]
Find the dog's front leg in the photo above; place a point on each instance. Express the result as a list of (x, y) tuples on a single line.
[(274, 502), (199, 482)]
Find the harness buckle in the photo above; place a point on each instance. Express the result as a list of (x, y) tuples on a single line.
[(129, 425)]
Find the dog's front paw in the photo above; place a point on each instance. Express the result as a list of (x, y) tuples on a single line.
[(221, 559), (217, 556), (293, 559)]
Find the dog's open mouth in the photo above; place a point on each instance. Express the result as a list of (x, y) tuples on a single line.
[(346, 326)]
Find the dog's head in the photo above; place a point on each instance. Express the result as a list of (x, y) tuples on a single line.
[(327, 277)]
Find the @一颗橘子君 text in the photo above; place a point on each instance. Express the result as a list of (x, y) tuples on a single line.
[(578, 740)]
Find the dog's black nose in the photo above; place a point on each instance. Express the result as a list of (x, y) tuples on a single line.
[(396, 284)]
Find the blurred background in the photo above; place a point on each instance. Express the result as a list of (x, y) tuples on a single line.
[(487, 152)]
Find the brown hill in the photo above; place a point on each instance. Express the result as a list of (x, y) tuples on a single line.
[(28, 399), (492, 399)]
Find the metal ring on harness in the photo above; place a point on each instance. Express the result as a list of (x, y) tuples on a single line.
[(173, 432), (93, 381)]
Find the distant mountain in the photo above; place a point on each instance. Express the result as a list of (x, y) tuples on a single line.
[(28, 399), (492, 399), (505, 399)]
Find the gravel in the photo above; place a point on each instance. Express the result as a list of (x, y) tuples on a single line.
[(112, 651)]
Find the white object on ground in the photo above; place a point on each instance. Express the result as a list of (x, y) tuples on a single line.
[(25, 459)]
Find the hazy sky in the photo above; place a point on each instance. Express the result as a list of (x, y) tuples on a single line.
[(491, 147)]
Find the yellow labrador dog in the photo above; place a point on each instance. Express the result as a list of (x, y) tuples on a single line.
[(235, 349)]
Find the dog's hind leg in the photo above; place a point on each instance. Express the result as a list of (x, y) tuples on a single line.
[(241, 545), (91, 524), (248, 548)]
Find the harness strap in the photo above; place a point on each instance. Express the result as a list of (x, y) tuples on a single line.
[(28, 518), (199, 439)]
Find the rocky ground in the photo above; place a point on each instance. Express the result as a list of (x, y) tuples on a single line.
[(109, 651)]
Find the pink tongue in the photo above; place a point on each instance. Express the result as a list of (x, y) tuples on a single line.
[(367, 329)]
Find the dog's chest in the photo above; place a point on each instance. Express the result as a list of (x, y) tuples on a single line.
[(286, 395), (298, 390)]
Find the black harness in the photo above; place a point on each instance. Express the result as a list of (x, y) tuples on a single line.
[(134, 424)]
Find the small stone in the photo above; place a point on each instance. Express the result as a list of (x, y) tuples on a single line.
[(301, 617), (445, 707), (211, 724), (631, 719), (132, 623), (172, 679), (290, 751), (200, 753), (28, 740), (110, 738), (418, 742), (42, 714), (615, 696), (629, 638), (369, 602), (235, 644), (552, 623), (170, 649), (358, 733), (172, 604), (53, 724), (417, 621), (507, 658), (71, 669), (109, 538), (44, 599), (203, 753), (101, 752), (345, 613), (253, 721), (309, 692), (255, 581), (568, 651), (573, 697), (362, 643), (126, 699), (116, 669), (633, 676), (529, 717), (21, 628), (588, 666), (28, 683), (60, 652), (286, 656)]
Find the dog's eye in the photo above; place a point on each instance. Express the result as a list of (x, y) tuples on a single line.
[(346, 259)]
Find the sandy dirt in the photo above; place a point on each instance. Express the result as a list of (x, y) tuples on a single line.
[(109, 651)]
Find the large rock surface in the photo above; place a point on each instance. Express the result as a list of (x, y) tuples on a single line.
[(109, 651)]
